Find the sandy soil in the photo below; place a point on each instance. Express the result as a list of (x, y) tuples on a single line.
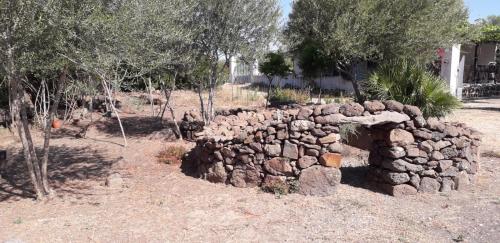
[(159, 203)]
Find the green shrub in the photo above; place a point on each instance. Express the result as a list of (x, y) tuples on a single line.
[(409, 83), (289, 96)]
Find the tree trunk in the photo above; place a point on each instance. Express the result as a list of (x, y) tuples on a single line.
[(211, 92), (269, 87), (320, 88), (151, 99), (58, 91), (351, 76), (114, 110)]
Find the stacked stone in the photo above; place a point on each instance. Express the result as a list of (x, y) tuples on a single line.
[(302, 146), (424, 155)]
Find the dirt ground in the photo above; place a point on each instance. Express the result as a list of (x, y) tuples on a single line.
[(159, 203)]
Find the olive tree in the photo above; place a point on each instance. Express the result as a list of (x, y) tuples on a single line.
[(223, 29), (32, 35), (274, 65), (376, 30)]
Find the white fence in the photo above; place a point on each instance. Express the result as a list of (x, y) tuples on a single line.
[(327, 83)]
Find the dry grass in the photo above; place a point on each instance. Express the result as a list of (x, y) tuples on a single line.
[(171, 154)]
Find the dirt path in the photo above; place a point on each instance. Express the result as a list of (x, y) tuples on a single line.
[(161, 204)]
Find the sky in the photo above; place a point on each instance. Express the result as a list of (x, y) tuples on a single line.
[(477, 8)]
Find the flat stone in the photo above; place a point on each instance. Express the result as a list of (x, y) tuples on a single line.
[(400, 137), (441, 144), (309, 139), (451, 131), (312, 152), (332, 119), (385, 117), (422, 134), (436, 155), (318, 132), (290, 150), (319, 181), (273, 150), (331, 160), (256, 147), (307, 161), (278, 166), (331, 138), (429, 185)]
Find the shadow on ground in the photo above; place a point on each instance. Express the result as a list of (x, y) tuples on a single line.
[(66, 164), (136, 127)]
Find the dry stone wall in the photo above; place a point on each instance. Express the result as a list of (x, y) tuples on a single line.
[(299, 149)]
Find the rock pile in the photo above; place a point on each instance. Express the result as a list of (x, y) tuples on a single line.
[(299, 149)]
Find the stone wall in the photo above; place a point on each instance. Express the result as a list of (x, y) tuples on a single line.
[(298, 149)]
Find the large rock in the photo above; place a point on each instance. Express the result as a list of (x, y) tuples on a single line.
[(434, 124), (114, 181), (352, 109), (278, 166), (273, 150), (412, 111), (400, 137), (290, 150), (245, 177), (304, 113), (393, 105), (217, 173), (429, 185), (319, 181), (330, 109), (301, 125), (395, 178), (374, 106), (307, 161), (331, 160)]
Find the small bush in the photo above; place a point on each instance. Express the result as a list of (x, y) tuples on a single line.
[(171, 155), (348, 131), (409, 83), (289, 96)]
